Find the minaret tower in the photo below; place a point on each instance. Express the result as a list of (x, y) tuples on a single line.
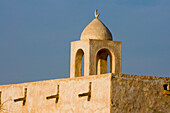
[(95, 44)]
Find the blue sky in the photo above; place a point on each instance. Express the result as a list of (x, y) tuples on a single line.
[(35, 36)]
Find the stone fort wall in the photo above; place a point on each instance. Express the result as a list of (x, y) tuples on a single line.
[(139, 94), (69, 100), (107, 93)]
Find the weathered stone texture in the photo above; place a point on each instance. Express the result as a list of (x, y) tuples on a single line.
[(139, 94)]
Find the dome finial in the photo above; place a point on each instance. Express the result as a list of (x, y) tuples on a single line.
[(96, 30), (96, 15)]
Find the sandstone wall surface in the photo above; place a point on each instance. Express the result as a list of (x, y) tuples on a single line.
[(69, 101), (139, 94)]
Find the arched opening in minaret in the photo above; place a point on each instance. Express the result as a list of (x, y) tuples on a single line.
[(79, 63), (105, 62)]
